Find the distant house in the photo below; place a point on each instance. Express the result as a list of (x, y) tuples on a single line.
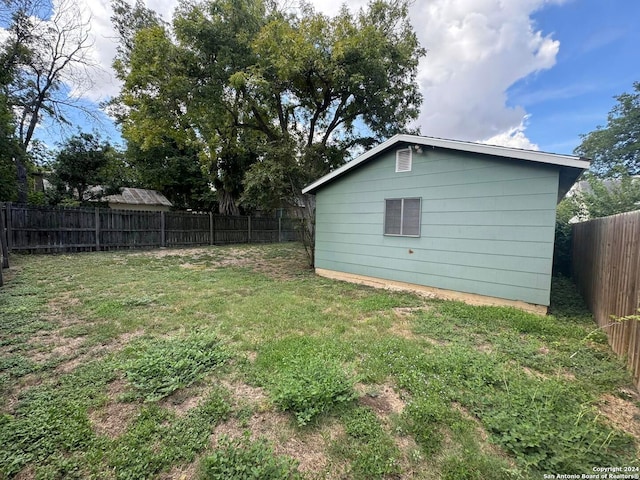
[(455, 219), (138, 199)]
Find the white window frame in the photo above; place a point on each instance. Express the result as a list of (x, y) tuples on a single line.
[(399, 162), (402, 211)]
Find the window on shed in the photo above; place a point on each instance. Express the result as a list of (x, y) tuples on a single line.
[(403, 160), (402, 216)]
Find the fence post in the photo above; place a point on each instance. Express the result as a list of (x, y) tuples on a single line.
[(97, 229), (8, 230), (279, 229), (248, 229), (210, 228), (163, 238), (4, 261)]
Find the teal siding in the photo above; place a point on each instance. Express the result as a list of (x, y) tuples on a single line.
[(487, 224)]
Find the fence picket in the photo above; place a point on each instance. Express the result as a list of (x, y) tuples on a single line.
[(30, 229), (606, 260)]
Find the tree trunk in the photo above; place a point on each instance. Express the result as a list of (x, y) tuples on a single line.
[(227, 203), (21, 177), (308, 227)]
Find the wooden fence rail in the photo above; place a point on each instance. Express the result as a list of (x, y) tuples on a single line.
[(30, 229), (606, 266)]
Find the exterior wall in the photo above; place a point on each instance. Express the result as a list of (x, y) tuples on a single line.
[(487, 224)]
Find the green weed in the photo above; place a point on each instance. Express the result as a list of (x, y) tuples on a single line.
[(304, 379), (371, 451), (242, 459), (160, 367)]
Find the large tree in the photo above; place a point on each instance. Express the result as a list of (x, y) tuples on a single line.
[(85, 162), (323, 88), (615, 148), (44, 54), (176, 88), (271, 100)]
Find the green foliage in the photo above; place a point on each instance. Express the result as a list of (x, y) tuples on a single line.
[(8, 150), (370, 449), (474, 465), (615, 148), (267, 99), (242, 459), (424, 419), (156, 439), (305, 381), (549, 425), (532, 384), (85, 161), (52, 420), (470, 460), (160, 367), (566, 301), (605, 197), (567, 209)]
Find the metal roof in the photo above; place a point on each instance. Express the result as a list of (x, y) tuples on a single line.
[(138, 196), (569, 163)]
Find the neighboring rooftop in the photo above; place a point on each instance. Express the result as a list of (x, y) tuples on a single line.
[(138, 196)]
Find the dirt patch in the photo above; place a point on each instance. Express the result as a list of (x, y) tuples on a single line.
[(28, 473), (561, 374), (244, 394), (58, 309), (98, 351), (113, 419), (174, 252), (484, 348), (623, 414), (534, 373), (183, 401), (256, 258), (408, 311), (402, 328), (184, 472), (57, 346), (383, 400), (307, 448)]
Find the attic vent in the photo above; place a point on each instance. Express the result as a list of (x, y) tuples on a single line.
[(403, 160)]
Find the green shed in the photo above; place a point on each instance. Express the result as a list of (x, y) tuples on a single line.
[(455, 219)]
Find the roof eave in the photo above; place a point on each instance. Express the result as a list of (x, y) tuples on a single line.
[(566, 161)]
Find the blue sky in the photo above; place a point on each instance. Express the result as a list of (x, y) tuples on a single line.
[(599, 58), (523, 73)]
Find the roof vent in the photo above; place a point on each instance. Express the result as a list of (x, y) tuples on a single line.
[(403, 160)]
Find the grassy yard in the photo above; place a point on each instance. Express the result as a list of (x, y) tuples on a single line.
[(238, 362)]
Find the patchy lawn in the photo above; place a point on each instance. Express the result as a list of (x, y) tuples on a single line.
[(227, 362)]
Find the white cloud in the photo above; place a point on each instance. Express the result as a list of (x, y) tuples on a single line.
[(477, 49), (514, 137)]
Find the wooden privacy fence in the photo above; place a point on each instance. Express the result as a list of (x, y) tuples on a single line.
[(57, 229), (606, 269)]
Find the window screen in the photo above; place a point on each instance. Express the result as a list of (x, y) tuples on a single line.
[(402, 216)]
